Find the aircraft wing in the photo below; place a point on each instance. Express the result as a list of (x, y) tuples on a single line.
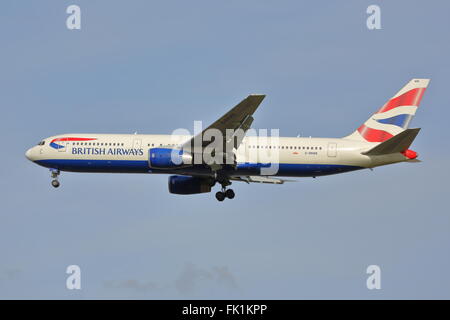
[(240, 117), (261, 179)]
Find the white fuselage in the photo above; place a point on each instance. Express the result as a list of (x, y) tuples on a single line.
[(129, 153)]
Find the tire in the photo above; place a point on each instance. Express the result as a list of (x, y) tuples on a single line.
[(220, 196), (55, 183), (229, 194)]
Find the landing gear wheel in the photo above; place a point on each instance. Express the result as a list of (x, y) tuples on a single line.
[(55, 183), (55, 173), (220, 196), (229, 194)]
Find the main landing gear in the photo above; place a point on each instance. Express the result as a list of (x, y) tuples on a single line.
[(55, 174), (221, 195), (225, 193)]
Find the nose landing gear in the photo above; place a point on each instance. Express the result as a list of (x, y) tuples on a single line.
[(55, 174)]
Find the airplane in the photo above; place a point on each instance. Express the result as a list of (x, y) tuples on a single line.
[(383, 139)]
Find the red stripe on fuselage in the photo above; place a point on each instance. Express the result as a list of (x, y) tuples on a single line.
[(410, 98), (374, 135), (72, 139)]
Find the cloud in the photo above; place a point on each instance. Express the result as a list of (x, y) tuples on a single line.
[(10, 274), (192, 276), (133, 284), (225, 277)]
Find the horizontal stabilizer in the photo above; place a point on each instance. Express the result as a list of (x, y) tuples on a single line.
[(397, 143)]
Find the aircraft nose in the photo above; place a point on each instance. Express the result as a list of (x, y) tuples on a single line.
[(28, 154)]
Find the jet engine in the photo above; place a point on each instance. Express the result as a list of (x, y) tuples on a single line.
[(189, 185)]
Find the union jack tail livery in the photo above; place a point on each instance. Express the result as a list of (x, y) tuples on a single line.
[(395, 116)]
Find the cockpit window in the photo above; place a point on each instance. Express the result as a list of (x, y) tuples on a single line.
[(41, 143)]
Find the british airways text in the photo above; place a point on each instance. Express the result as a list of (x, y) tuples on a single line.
[(108, 151)]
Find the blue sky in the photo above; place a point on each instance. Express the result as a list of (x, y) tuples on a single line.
[(155, 66)]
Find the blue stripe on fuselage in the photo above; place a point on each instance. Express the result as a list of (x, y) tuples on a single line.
[(82, 165), (297, 169), (141, 166)]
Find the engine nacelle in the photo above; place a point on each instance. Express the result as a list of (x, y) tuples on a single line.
[(188, 185), (165, 158)]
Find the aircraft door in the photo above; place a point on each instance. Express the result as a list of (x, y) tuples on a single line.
[(332, 149), (137, 143)]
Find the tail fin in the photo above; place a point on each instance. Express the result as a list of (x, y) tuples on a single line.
[(395, 116)]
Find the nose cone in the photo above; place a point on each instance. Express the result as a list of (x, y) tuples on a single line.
[(29, 154)]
